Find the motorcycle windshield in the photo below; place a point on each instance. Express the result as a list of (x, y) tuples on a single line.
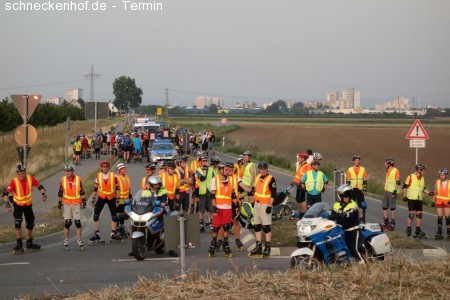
[(317, 210), (143, 202)]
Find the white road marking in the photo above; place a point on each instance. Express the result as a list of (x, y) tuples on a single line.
[(16, 263)]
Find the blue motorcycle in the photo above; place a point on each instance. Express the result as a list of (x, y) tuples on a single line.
[(322, 242), (147, 224)]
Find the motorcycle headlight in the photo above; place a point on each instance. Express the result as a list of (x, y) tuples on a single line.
[(304, 229)]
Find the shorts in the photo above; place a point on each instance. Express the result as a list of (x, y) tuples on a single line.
[(389, 201), (111, 205), (313, 199), (138, 150), (415, 205), (300, 196), (359, 196), (205, 203), (222, 217), (72, 211), (77, 152), (444, 204), (260, 215), (27, 211), (128, 148), (184, 201)]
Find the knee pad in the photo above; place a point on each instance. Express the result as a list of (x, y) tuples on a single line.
[(266, 228), (30, 226), (226, 227), (96, 218), (257, 228), (440, 220), (385, 208), (114, 218), (77, 223), (68, 223), (18, 223), (392, 209), (216, 229), (411, 216), (419, 216)]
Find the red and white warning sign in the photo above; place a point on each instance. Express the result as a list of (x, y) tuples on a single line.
[(417, 132)]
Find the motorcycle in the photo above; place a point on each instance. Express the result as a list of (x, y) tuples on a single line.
[(147, 224), (322, 242), (281, 207)]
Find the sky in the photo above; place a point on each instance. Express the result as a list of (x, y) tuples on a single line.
[(240, 50)]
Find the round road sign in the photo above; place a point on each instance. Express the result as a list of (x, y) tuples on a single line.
[(19, 135)]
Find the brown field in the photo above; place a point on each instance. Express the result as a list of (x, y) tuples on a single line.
[(339, 142)]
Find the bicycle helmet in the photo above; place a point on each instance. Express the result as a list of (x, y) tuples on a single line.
[(152, 181), (303, 155), (162, 164), (105, 163), (247, 153), (345, 190), (121, 166), (229, 165), (215, 160), (150, 166), (443, 171), (420, 167), (20, 168), (263, 165), (356, 157), (203, 157), (390, 161), (68, 167), (200, 153), (240, 157), (221, 165), (317, 156)]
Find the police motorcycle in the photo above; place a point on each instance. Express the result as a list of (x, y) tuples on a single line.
[(322, 242), (147, 226)]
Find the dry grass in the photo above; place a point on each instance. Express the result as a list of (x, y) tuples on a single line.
[(400, 279)]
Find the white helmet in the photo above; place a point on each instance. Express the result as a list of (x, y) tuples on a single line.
[(317, 156)]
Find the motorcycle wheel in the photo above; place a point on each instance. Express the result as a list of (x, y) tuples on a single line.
[(282, 211), (139, 248), (300, 262)]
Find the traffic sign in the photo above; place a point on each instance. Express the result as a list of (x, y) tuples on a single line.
[(416, 143), (19, 102), (19, 135), (417, 131)]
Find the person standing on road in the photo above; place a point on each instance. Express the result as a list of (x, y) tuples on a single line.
[(391, 185), (106, 186), (357, 179), (77, 150), (236, 205), (21, 187), (185, 180), (97, 146), (248, 181), (303, 167), (171, 183), (195, 164), (204, 174), (265, 192), (71, 199), (149, 171), (124, 193), (413, 188), (314, 182), (442, 202)]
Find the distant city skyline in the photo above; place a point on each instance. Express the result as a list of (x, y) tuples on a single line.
[(241, 51)]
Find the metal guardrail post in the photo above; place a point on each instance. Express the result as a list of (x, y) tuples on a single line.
[(182, 246)]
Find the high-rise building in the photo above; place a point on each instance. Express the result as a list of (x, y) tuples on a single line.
[(349, 98), (203, 101), (55, 100), (73, 94)]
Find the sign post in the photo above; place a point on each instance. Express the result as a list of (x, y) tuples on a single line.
[(417, 136)]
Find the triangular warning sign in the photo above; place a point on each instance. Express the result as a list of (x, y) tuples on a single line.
[(19, 102), (417, 131)]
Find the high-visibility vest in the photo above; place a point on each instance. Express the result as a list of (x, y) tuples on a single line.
[(442, 194), (416, 187), (391, 181), (337, 207), (170, 183), (194, 166), (262, 190), (300, 172), (309, 184), (248, 175), (236, 189), (144, 183), (23, 197), (206, 184), (71, 190), (77, 146), (239, 170), (183, 187), (356, 180), (106, 190), (124, 187), (223, 192)]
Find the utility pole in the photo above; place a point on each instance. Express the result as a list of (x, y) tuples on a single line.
[(91, 76), (166, 105)]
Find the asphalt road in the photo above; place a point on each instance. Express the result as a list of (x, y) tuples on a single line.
[(55, 270)]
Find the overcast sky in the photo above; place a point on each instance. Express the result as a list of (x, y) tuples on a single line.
[(241, 50)]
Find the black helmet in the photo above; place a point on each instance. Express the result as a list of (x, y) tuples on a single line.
[(356, 157), (162, 164), (20, 168), (390, 161), (443, 171), (263, 165), (420, 167)]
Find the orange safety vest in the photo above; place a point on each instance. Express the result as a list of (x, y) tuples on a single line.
[(71, 190), (239, 170), (106, 190), (144, 183), (224, 192), (183, 187), (195, 166), (442, 194), (23, 197), (356, 180), (236, 189), (262, 191), (124, 185), (170, 183), (300, 172)]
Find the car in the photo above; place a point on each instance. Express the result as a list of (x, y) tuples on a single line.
[(162, 149)]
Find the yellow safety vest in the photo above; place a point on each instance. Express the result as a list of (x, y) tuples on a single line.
[(248, 176), (309, 184), (390, 182), (416, 187), (124, 187), (356, 181), (21, 197)]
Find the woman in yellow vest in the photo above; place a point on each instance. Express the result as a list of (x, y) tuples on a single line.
[(413, 188), (124, 193), (442, 202), (72, 199)]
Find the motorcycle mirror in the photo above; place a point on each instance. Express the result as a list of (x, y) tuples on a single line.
[(325, 215)]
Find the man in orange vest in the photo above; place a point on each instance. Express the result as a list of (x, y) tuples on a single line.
[(303, 167), (107, 188), (185, 180), (222, 194), (413, 188), (21, 187), (265, 192), (357, 179), (172, 185), (442, 202), (124, 193), (72, 199)]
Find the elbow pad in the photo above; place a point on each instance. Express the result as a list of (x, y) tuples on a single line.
[(5, 192), (365, 182), (405, 186), (94, 189)]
